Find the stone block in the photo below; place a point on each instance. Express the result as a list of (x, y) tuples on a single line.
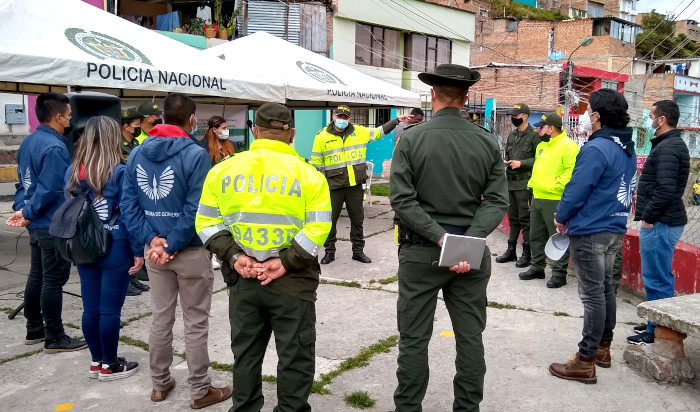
[(662, 332), (658, 367), (668, 348)]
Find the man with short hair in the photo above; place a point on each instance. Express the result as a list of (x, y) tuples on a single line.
[(660, 207), (521, 145), (42, 162), (445, 158), (162, 186), (554, 162), (418, 116), (340, 152), (270, 232), (593, 212), (151, 116)]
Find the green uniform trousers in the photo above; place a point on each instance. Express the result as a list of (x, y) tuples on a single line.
[(519, 214), (353, 197), (254, 312), (465, 298), (541, 228)]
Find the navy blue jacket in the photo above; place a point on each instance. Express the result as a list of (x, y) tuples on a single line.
[(41, 164), (106, 205), (598, 198), (162, 187)]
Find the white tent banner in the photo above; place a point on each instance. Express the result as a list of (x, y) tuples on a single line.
[(308, 76), (72, 43)]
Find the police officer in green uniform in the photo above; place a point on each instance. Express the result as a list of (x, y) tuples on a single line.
[(131, 127), (521, 145), (447, 176), (151, 116)]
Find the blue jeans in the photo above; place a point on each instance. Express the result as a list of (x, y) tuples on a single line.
[(103, 286), (656, 246), (594, 257)]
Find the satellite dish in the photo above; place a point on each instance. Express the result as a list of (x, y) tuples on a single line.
[(556, 55)]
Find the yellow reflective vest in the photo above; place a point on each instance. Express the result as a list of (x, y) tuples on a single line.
[(269, 199), (554, 164), (343, 158), (141, 137)]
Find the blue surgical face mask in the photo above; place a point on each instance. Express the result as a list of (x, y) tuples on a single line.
[(341, 123)]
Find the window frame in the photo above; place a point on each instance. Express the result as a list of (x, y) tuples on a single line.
[(377, 46), (436, 51)]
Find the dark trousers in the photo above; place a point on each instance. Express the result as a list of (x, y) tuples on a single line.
[(254, 312), (617, 269), (594, 257), (519, 214), (541, 228), (465, 298), (352, 197), (103, 286), (43, 294)]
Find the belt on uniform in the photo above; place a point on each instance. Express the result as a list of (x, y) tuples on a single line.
[(408, 237)]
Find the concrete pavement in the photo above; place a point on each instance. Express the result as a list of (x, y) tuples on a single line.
[(529, 326)]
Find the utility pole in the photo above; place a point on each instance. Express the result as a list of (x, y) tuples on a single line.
[(569, 92)]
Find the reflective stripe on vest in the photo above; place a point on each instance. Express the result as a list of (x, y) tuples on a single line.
[(208, 211), (307, 244), (262, 219), (210, 231)]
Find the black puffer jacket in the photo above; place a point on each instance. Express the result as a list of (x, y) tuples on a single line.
[(663, 180)]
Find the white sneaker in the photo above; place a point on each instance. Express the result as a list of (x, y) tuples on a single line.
[(215, 263)]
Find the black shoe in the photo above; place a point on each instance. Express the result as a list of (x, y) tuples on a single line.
[(640, 329), (556, 282), (509, 255), (532, 273), (121, 324), (642, 339), (142, 274), (118, 370), (361, 257), (328, 258), (524, 260), (132, 290), (34, 337), (135, 282), (63, 344)]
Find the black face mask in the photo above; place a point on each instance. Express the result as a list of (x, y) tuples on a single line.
[(158, 121), (516, 121), (137, 131), (545, 138)]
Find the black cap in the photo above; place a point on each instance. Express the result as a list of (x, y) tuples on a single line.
[(269, 112), (451, 75), (342, 109), (550, 119), (520, 108), (148, 108), (129, 113)]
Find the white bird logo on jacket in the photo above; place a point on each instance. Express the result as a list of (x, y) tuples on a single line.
[(161, 187)]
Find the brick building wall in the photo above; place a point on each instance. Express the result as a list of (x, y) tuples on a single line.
[(538, 88), (658, 87)]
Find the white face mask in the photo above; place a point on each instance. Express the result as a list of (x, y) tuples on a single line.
[(654, 129), (584, 123), (223, 135)]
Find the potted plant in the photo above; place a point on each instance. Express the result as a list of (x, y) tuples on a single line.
[(210, 30), (195, 27), (231, 23)]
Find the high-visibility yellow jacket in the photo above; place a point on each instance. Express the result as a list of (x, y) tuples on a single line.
[(554, 164), (342, 156), (141, 137), (271, 203)]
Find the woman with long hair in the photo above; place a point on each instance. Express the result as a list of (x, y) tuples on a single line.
[(215, 140), (98, 170)]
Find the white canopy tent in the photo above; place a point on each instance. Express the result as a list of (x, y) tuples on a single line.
[(48, 45), (310, 80)]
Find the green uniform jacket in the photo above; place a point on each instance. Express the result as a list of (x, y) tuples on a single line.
[(127, 147), (521, 146), (439, 173)]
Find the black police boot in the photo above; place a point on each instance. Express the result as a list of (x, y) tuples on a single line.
[(142, 274), (532, 273), (132, 290), (328, 258), (361, 257), (524, 260), (135, 282), (509, 254), (556, 282)]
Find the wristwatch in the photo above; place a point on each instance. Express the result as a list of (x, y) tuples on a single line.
[(235, 257)]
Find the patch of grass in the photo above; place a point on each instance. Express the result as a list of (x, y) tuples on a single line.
[(220, 290), (181, 355), (561, 314), (6, 310), (21, 355), (362, 359), (497, 305), (352, 284), (71, 325), (379, 232), (134, 342), (360, 400), (521, 11), (269, 379), (389, 280), (222, 367), (381, 189), (372, 281), (137, 317)]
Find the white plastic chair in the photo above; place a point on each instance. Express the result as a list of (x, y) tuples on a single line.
[(368, 183)]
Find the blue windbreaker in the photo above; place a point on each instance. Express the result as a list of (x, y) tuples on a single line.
[(41, 164), (598, 198), (106, 204), (162, 187)]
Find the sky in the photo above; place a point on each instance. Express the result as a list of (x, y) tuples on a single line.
[(664, 6)]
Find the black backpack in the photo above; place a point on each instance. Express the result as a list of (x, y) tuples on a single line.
[(80, 235)]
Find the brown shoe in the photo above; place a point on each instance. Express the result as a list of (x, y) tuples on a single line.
[(602, 357), (159, 396), (578, 368), (215, 395)]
